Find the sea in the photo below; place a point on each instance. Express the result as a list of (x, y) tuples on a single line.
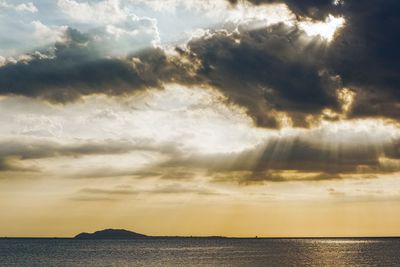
[(201, 252)]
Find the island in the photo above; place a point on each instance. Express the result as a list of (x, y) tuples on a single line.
[(122, 234), (111, 234)]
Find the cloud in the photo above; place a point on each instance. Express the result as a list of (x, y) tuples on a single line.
[(26, 7), (306, 8), (6, 166), (251, 67), (122, 39), (92, 198), (97, 191), (77, 67), (274, 176), (309, 155), (151, 171), (268, 69), (115, 30), (335, 193), (3, 61), (13, 152), (366, 56), (209, 7), (181, 189), (102, 12), (271, 71), (363, 56), (116, 193), (176, 174), (46, 149), (330, 152), (285, 154), (23, 7), (44, 33)]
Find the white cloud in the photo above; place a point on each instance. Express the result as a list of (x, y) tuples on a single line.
[(243, 12), (251, 16), (193, 117), (206, 14), (44, 34), (27, 7), (24, 7), (2, 61), (210, 7), (104, 12), (134, 34), (117, 31)]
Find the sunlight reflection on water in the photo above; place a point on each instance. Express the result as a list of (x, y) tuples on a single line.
[(200, 252)]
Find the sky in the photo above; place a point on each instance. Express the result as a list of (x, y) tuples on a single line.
[(275, 118)]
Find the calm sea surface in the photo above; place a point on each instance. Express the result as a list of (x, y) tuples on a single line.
[(200, 252)]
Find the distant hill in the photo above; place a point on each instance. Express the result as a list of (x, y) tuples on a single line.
[(110, 234)]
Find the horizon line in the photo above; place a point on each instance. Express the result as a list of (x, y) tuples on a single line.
[(216, 237)]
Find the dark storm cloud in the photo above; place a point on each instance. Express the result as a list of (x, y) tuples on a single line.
[(261, 70), (268, 69), (77, 68), (365, 54), (317, 9), (367, 57), (392, 151)]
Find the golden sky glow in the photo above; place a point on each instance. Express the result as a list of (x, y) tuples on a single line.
[(71, 193)]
